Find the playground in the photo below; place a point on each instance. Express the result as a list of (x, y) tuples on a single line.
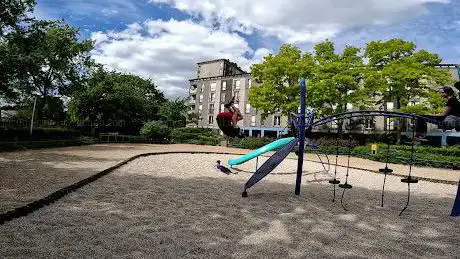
[(173, 203)]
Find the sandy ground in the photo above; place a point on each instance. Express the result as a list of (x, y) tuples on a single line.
[(174, 206), (30, 175)]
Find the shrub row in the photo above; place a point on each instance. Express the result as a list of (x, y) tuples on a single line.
[(400, 154), (199, 136), (19, 134), (24, 145), (250, 143)]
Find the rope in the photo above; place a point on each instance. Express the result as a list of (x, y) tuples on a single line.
[(346, 176), (410, 168)]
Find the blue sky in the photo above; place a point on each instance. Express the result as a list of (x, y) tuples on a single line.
[(163, 39)]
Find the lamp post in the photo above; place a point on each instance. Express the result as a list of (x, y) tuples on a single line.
[(32, 119)]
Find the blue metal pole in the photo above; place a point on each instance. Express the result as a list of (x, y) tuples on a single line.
[(303, 93), (456, 207)]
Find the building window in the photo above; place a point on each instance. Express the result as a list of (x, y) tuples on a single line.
[(211, 119), (224, 85), (276, 121), (213, 86), (390, 124), (200, 108), (237, 96), (237, 84), (248, 108), (212, 97), (390, 106), (369, 123), (253, 120), (222, 97), (249, 83), (211, 107), (202, 87), (222, 107), (201, 98)]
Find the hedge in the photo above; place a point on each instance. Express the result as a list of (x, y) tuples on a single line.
[(250, 143), (12, 134), (24, 145), (199, 136)]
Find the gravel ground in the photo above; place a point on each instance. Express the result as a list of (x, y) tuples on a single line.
[(30, 175), (170, 206)]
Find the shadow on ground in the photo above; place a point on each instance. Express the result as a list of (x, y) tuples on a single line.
[(144, 216)]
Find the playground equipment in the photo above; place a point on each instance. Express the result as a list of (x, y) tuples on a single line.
[(267, 148), (302, 124)]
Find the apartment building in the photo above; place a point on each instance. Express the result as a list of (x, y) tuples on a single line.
[(217, 81)]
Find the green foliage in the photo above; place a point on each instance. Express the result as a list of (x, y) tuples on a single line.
[(25, 145), (174, 111), (397, 72), (335, 81), (201, 136), (48, 108), (399, 154), (13, 12), (45, 58), (117, 97), (12, 134), (155, 131), (276, 81), (250, 143), (193, 118)]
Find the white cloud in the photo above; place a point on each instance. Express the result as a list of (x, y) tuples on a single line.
[(167, 51), (300, 20)]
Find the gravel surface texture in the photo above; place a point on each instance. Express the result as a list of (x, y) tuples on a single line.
[(180, 206)]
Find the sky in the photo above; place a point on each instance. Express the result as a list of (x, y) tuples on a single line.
[(164, 39)]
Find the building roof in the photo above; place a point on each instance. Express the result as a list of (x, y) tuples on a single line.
[(219, 77), (212, 61)]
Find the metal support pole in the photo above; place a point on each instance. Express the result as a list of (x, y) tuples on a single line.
[(257, 163), (303, 93)]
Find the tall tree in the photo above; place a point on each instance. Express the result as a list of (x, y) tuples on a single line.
[(114, 96), (13, 12), (399, 73), (44, 58), (276, 81), (336, 80), (174, 112)]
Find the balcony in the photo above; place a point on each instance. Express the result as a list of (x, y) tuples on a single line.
[(193, 90)]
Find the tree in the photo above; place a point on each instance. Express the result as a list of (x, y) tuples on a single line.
[(174, 112), (193, 118), (48, 58), (52, 109), (13, 12), (336, 80), (276, 81), (114, 96), (44, 58), (399, 73)]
